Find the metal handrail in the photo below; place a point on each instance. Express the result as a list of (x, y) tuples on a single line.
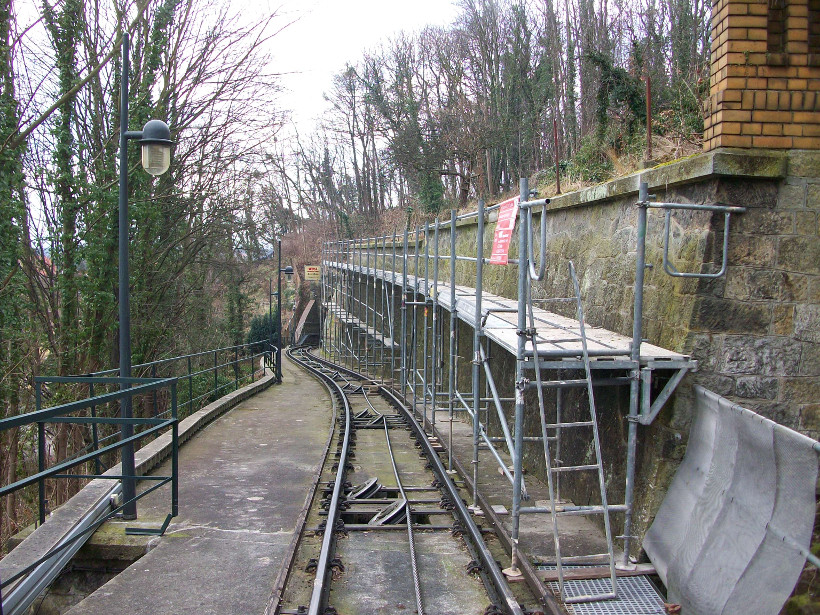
[(242, 353), (39, 573), (103, 445), (542, 267), (668, 266)]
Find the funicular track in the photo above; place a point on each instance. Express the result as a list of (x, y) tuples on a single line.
[(387, 530)]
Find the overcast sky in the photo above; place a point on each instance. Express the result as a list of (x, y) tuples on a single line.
[(329, 33)]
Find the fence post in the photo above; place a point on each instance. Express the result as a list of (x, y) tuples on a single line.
[(154, 394), (94, 434), (41, 451), (190, 388), (236, 367), (216, 372)]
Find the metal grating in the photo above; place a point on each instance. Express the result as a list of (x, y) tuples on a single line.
[(636, 595)]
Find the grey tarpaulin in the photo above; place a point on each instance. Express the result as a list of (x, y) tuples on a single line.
[(744, 483)]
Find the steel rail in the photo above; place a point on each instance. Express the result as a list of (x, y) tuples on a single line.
[(497, 580), (274, 602), (321, 584), (410, 537)]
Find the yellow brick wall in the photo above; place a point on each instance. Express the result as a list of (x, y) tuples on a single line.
[(760, 99)]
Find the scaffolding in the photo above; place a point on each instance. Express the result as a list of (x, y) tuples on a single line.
[(388, 313)]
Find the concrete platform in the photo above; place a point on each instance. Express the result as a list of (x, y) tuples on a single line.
[(243, 483)]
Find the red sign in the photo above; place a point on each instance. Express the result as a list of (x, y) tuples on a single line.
[(507, 214)]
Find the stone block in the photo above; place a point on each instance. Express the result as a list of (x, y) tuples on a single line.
[(765, 285), (779, 412), (754, 387), (805, 223), (747, 193), (810, 359), (804, 390), (799, 253), (791, 287), (751, 250), (813, 196), (722, 385), (729, 162), (729, 316), (767, 356), (783, 320), (706, 349), (807, 322), (804, 163), (792, 195), (763, 222), (810, 419), (715, 286), (814, 290)]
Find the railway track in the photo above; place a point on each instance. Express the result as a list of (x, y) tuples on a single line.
[(386, 530)]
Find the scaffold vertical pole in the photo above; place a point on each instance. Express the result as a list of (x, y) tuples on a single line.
[(414, 329), (635, 381), (523, 289), (436, 336), (479, 283), (393, 307), (367, 309), (403, 344), (385, 316), (426, 337), (451, 364)]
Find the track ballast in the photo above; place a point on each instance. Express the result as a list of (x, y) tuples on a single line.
[(356, 553)]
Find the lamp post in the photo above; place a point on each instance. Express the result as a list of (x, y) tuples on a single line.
[(270, 319), (288, 271), (156, 142)]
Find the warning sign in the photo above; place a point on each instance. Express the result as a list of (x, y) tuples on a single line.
[(312, 272), (507, 214)]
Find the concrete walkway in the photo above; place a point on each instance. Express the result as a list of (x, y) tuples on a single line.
[(243, 483)]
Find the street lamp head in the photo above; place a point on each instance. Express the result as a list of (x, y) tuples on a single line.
[(156, 147), (288, 271)]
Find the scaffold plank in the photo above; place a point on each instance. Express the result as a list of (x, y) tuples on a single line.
[(558, 336), (349, 319)]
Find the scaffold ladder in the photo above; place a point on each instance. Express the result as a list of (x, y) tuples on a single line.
[(553, 463)]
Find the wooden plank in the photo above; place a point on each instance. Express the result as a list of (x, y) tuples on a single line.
[(348, 318), (595, 572)]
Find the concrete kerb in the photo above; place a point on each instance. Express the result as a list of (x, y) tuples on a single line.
[(38, 543)]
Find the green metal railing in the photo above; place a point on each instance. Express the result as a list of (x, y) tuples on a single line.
[(199, 377), (222, 368), (70, 413), (204, 377)]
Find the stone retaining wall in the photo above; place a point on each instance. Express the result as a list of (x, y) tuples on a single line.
[(755, 332)]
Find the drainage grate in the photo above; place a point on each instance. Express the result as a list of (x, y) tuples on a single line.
[(636, 595)]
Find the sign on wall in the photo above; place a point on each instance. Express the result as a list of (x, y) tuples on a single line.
[(507, 214), (312, 272)]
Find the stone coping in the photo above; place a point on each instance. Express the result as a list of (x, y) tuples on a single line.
[(738, 163), (38, 543), (723, 162)]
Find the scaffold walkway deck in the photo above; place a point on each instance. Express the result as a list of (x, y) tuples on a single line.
[(557, 336)]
